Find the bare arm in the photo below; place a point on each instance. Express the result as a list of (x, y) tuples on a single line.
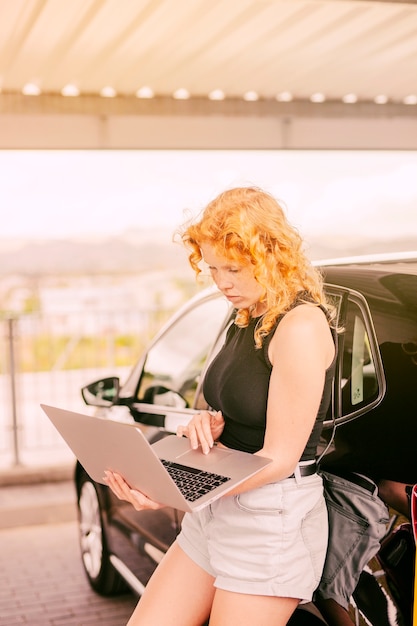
[(300, 352)]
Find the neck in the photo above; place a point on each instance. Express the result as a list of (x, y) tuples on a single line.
[(258, 309)]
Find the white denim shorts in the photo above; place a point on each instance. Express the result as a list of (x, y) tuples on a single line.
[(268, 541)]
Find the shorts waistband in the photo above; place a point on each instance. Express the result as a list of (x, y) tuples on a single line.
[(305, 470), (358, 479)]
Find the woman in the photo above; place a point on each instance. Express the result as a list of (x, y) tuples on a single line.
[(253, 555)]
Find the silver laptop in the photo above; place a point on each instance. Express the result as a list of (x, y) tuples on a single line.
[(167, 471)]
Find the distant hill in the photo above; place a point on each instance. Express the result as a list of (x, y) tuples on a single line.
[(136, 253), (114, 255)]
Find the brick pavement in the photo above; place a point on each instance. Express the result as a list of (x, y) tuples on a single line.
[(42, 582)]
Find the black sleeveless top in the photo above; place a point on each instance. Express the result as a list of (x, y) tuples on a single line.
[(237, 382)]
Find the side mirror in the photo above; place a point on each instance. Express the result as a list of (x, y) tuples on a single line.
[(103, 392)]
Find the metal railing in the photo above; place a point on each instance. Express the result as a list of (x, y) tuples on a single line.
[(47, 359)]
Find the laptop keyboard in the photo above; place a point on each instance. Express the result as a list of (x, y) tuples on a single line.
[(192, 482)]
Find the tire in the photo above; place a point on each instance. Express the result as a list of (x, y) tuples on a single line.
[(102, 576)]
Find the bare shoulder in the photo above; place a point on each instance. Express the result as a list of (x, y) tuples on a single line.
[(304, 317), (305, 325)]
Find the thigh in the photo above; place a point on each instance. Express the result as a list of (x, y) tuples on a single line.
[(270, 541), (179, 592), (240, 609)]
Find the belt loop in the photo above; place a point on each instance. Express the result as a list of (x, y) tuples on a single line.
[(297, 474)]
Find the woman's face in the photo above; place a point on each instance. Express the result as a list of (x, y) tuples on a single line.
[(236, 281)]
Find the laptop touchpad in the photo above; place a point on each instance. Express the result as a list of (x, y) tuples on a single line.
[(197, 458)]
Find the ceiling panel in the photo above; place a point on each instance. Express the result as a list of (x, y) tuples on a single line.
[(335, 47)]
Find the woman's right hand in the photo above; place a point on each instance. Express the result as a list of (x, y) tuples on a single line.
[(123, 491), (203, 429)]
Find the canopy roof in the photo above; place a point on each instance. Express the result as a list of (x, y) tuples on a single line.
[(208, 74), (339, 50)]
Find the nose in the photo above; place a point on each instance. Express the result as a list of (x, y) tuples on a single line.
[(223, 281)]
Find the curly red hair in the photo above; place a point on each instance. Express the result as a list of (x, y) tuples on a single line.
[(248, 225)]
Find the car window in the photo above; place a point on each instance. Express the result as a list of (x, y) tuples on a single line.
[(362, 382), (359, 379), (173, 365)]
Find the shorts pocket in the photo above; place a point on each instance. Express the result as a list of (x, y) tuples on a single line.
[(314, 533), (266, 499)]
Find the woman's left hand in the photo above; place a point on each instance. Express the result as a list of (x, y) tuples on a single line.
[(123, 491), (203, 429)]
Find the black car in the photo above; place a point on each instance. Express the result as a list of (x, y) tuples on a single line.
[(371, 427)]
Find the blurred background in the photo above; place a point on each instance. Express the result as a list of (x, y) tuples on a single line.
[(120, 120)]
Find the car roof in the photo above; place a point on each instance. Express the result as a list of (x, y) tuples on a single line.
[(396, 261)]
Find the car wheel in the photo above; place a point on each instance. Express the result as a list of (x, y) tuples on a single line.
[(101, 575)]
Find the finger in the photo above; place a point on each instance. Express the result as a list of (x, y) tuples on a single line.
[(218, 418), (206, 425), (118, 485), (141, 502), (193, 436), (199, 431), (203, 432), (182, 431), (122, 491), (112, 485), (217, 421), (188, 431)]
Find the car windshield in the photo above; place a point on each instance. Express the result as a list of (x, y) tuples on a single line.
[(174, 364)]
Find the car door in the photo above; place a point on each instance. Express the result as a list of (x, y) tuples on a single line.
[(166, 388)]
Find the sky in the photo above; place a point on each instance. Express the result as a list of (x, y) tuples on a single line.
[(61, 194)]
